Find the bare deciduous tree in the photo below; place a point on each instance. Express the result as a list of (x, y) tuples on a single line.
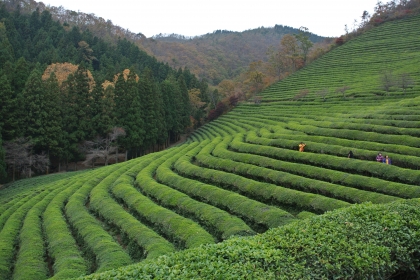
[(323, 93), (342, 90), (302, 94), (19, 158), (387, 80), (102, 148), (406, 81)]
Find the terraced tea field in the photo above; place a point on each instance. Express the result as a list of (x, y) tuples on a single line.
[(239, 175)]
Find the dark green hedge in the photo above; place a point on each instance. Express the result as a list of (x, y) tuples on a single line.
[(364, 241)]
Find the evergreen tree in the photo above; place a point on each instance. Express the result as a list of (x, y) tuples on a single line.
[(2, 161), (149, 100), (20, 74), (185, 110), (34, 108), (10, 110), (6, 49), (172, 107), (52, 139), (102, 110), (75, 112), (129, 112)]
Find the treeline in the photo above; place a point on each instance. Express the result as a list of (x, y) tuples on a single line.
[(58, 118), (384, 12)]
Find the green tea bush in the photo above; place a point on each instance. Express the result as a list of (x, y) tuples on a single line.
[(30, 262), (364, 241), (109, 254), (62, 248), (255, 212), (9, 235)]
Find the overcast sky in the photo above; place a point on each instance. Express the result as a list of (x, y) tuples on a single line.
[(197, 17)]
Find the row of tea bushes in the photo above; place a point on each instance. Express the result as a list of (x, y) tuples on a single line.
[(176, 228), (108, 253), (248, 153), (288, 180), (252, 211), (259, 190), (30, 259), (383, 171), (379, 244), (218, 222), (148, 243), (10, 232), (68, 260)]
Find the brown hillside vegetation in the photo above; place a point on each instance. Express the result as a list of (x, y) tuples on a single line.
[(62, 72), (125, 73)]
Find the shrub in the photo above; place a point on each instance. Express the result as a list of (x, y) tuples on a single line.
[(364, 241)]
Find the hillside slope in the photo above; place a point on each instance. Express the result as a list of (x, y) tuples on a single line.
[(243, 174), (214, 56), (219, 55)]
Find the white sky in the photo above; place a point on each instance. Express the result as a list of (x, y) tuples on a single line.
[(198, 17)]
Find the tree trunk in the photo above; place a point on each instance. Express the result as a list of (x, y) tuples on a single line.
[(13, 172), (29, 167)]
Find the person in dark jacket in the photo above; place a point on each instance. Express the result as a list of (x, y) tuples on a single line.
[(386, 160)]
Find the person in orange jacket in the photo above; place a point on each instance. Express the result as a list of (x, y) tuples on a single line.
[(302, 147)]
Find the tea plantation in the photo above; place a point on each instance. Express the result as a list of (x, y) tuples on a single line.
[(238, 200)]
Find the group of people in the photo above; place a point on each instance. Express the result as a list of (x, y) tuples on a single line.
[(379, 158), (384, 159)]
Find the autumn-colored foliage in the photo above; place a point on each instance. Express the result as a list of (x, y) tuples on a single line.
[(62, 72), (339, 41), (125, 74), (217, 112)]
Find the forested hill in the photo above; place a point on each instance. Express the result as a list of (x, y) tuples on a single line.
[(222, 54), (72, 112), (216, 56)]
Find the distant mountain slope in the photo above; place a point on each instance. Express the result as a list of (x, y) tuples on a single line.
[(219, 55), (214, 56)]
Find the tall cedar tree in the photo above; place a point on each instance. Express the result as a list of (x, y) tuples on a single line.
[(2, 162), (20, 74), (129, 112), (6, 49), (185, 110), (9, 110), (150, 103), (53, 124), (75, 113), (34, 108), (171, 94), (102, 110)]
